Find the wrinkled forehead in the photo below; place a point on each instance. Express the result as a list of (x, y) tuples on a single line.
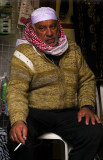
[(43, 14)]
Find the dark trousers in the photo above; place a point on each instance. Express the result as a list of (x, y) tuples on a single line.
[(85, 140)]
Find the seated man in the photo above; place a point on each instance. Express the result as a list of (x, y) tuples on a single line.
[(51, 89)]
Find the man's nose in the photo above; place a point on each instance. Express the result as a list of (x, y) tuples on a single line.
[(49, 32)]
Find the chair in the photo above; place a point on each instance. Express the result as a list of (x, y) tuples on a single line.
[(67, 148), (99, 101), (55, 136)]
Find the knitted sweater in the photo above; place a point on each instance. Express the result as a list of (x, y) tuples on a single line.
[(38, 83)]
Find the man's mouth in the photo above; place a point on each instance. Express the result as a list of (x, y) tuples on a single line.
[(49, 41)]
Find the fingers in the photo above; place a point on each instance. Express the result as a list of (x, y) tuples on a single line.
[(19, 136), (80, 116), (16, 138), (18, 133), (93, 117), (89, 115), (25, 134), (97, 119), (87, 118)]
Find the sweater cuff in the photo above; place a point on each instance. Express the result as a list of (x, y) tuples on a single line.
[(90, 107)]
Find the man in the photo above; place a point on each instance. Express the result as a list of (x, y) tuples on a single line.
[(52, 89)]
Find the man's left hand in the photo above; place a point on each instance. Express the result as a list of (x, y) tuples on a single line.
[(89, 115)]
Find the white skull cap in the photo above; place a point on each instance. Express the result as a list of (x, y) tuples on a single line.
[(42, 14)]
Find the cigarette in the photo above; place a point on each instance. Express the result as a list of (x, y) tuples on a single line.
[(18, 146)]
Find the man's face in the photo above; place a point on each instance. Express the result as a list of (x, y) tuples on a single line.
[(47, 31)]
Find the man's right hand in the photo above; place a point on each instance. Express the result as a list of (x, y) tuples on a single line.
[(18, 132)]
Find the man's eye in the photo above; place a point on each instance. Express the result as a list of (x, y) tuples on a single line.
[(41, 28), (53, 26)]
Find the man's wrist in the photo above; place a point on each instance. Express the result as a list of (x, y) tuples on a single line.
[(19, 122), (90, 107)]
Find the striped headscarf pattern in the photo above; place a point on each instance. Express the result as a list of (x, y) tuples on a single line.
[(31, 37)]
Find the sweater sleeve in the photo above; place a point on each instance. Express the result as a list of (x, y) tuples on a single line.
[(17, 90), (86, 82)]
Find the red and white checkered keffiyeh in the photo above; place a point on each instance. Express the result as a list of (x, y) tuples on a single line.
[(32, 38)]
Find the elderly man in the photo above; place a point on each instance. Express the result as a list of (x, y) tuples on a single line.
[(52, 89)]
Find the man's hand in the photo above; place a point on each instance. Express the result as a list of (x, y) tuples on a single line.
[(18, 132), (89, 115)]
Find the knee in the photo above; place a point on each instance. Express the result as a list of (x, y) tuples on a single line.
[(96, 131)]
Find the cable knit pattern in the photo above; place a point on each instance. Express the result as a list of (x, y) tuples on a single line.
[(48, 86)]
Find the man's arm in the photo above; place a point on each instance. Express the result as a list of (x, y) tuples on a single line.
[(86, 91), (17, 98)]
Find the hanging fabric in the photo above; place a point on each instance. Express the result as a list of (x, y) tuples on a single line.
[(25, 11), (64, 7), (88, 20)]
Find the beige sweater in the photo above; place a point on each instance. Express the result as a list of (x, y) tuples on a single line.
[(46, 86)]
